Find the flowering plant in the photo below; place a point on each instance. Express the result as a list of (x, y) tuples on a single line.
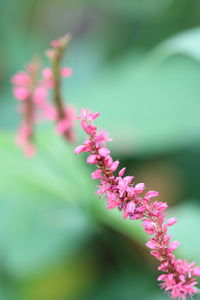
[(178, 276)]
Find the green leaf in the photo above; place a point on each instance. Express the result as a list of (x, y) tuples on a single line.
[(185, 43), (44, 205)]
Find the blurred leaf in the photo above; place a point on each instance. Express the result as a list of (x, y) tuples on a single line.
[(186, 43), (44, 206)]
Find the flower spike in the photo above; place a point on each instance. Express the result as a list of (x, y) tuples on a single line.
[(179, 276)]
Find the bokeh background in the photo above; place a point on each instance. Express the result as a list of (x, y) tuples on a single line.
[(138, 64)]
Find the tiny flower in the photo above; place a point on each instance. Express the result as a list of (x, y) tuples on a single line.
[(148, 227), (150, 245), (171, 221), (150, 194), (66, 72), (80, 149), (97, 174), (21, 93), (104, 151), (196, 271), (121, 172), (139, 188), (62, 126), (92, 159), (114, 166), (174, 245)]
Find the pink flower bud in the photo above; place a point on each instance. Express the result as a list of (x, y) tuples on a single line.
[(62, 126), (21, 78), (171, 221), (150, 245), (114, 166), (79, 149), (92, 159), (47, 74), (196, 271), (121, 172), (174, 245), (139, 188), (148, 227), (150, 194), (21, 93), (66, 72), (156, 254), (97, 174), (104, 151)]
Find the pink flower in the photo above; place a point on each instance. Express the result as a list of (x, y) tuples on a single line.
[(174, 245), (47, 74), (129, 209), (171, 221), (21, 78), (92, 159), (97, 174), (151, 194), (62, 126), (66, 72), (104, 151), (121, 172), (112, 202), (79, 149), (21, 93)]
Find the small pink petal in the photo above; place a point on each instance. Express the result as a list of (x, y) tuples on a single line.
[(21, 93), (150, 245), (92, 159), (121, 172), (174, 245), (104, 151), (66, 72), (196, 271), (79, 149), (171, 221)]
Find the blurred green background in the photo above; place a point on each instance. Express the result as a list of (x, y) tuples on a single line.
[(138, 63)]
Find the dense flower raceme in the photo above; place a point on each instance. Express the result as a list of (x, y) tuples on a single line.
[(32, 88), (179, 276)]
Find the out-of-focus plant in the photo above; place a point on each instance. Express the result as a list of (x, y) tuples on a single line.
[(32, 92)]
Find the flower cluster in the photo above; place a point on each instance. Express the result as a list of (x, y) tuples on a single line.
[(178, 276), (32, 88)]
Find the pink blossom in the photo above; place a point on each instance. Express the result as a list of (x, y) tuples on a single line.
[(104, 151), (114, 166), (92, 159), (21, 93), (171, 221), (79, 149), (62, 126), (47, 74), (66, 72), (21, 78), (150, 245), (97, 174), (174, 245), (178, 279), (121, 172)]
